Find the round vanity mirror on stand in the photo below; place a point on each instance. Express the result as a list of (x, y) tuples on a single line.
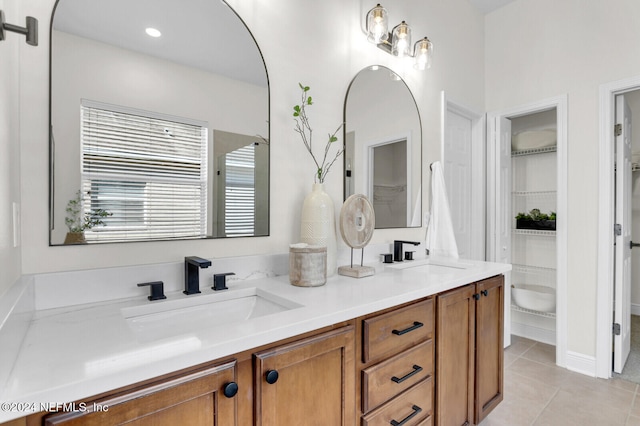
[(357, 222)]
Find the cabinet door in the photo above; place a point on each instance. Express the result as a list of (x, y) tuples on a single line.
[(192, 399), (455, 340), (489, 348), (309, 382)]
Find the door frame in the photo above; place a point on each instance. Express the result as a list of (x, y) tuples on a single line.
[(606, 213), (493, 151), (478, 171)]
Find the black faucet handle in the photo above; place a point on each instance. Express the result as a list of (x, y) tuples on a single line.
[(157, 290), (220, 281)]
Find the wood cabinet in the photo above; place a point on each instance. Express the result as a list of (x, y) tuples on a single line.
[(196, 398), (307, 382), (469, 352), (396, 366)]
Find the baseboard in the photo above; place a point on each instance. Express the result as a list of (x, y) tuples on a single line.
[(534, 333), (581, 363), (635, 309)]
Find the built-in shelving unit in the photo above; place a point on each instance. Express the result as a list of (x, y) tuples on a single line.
[(533, 251)]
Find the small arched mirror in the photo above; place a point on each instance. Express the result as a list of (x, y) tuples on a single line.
[(383, 147), (159, 122)]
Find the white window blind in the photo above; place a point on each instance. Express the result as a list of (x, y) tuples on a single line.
[(149, 170), (240, 192)]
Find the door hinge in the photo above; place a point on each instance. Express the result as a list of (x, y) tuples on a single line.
[(616, 328), (617, 229), (617, 129)]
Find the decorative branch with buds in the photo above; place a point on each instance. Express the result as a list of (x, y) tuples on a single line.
[(304, 129)]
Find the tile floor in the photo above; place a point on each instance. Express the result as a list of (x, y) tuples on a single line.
[(537, 392)]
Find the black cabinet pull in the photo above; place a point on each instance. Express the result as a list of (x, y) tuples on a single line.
[(272, 376), (485, 293), (230, 389), (476, 296), (415, 409), (415, 325), (416, 370)]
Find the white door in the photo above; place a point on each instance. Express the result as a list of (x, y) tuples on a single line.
[(622, 290), (457, 175)]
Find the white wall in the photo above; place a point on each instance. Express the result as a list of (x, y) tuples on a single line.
[(537, 49), (9, 143), (317, 43)]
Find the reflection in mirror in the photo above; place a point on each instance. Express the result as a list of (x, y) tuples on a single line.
[(383, 147), (167, 134)]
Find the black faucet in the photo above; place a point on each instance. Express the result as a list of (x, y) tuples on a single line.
[(397, 249), (192, 265)]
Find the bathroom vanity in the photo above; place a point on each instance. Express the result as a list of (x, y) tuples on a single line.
[(420, 344)]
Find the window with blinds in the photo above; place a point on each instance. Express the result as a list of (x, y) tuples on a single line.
[(149, 170), (240, 192)]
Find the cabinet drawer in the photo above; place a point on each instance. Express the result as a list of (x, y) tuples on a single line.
[(414, 407), (383, 381), (395, 331)]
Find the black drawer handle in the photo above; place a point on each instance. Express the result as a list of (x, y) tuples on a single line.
[(415, 409), (485, 293), (415, 325), (416, 370)]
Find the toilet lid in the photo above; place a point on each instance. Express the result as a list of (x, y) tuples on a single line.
[(357, 221)]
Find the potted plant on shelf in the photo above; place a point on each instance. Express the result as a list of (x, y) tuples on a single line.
[(78, 220), (536, 220)]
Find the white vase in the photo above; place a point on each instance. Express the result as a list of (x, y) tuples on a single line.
[(318, 224)]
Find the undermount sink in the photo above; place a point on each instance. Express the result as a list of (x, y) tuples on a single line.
[(169, 318), (431, 265)]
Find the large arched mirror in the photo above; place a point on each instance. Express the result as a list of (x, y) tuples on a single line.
[(383, 147), (159, 122)]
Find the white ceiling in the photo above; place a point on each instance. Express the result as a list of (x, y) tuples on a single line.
[(486, 6), (205, 34)]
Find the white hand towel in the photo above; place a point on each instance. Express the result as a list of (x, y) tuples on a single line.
[(440, 240)]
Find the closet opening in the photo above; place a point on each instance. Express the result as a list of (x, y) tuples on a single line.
[(534, 184), (526, 219)]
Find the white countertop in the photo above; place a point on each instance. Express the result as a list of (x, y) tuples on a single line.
[(71, 353)]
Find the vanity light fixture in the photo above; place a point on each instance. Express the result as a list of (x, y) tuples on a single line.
[(377, 23), (401, 40), (398, 41), (423, 52), (30, 30)]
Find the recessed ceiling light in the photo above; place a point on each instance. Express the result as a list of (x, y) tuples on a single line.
[(153, 32)]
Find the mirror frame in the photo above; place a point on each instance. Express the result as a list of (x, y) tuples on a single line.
[(51, 146), (344, 139)]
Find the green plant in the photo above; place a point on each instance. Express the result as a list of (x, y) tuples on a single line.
[(77, 220), (304, 129), (535, 214)]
